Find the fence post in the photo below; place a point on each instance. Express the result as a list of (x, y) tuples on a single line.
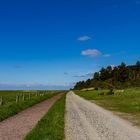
[(17, 98), (23, 97)]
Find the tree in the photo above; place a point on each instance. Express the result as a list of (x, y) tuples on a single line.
[(104, 74), (123, 72), (138, 63), (119, 76), (96, 76)]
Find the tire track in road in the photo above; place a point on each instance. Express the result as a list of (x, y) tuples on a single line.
[(87, 121)]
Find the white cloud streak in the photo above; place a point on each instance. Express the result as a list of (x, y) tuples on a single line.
[(94, 53), (91, 52), (84, 38)]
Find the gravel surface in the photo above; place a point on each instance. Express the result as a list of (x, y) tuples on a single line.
[(87, 121), (16, 127)]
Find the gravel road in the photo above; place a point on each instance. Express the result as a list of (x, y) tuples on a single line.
[(16, 127), (87, 121)]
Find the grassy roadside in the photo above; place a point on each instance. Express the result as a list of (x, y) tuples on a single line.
[(51, 126), (13, 108), (126, 104)]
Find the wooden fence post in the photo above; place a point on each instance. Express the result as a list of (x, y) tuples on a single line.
[(17, 98), (23, 97)]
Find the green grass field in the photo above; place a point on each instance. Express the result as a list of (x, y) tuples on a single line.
[(16, 101), (125, 104), (51, 126)]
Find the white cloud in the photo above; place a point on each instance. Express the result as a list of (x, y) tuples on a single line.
[(94, 53), (91, 52), (84, 38)]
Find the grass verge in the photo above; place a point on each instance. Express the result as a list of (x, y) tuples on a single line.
[(51, 126), (126, 104), (13, 108)]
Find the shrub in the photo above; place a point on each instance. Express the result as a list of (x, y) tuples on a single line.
[(96, 88), (111, 92), (101, 94)]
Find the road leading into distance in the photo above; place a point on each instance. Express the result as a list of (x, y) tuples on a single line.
[(87, 121)]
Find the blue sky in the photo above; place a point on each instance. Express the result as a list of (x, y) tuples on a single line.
[(54, 43)]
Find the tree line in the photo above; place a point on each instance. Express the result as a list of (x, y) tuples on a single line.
[(121, 76)]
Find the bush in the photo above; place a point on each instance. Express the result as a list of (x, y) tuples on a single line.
[(111, 92), (101, 94), (96, 88)]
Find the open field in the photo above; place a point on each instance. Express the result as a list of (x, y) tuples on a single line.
[(12, 102), (83, 120), (51, 126), (125, 104)]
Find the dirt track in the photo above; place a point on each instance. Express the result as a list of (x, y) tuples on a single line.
[(16, 127), (87, 121)]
